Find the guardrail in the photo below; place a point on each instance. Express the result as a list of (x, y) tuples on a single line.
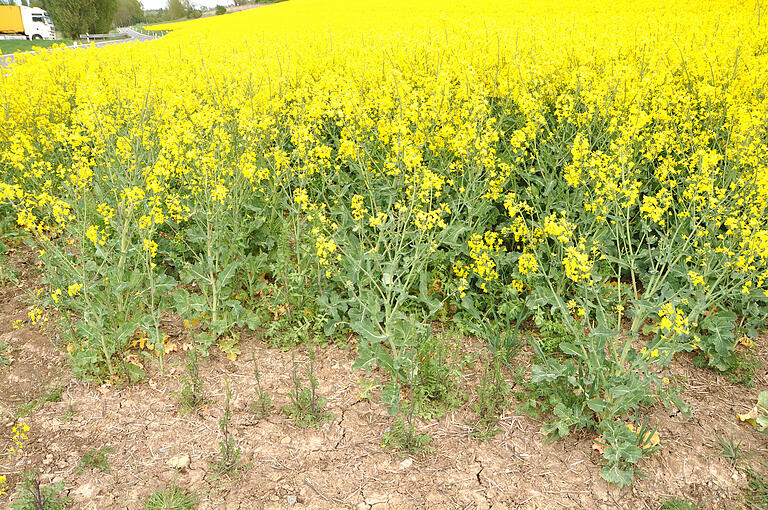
[(89, 37)]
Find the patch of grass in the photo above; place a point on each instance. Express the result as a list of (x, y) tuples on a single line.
[(231, 455), (13, 46), (307, 407), (678, 504), (402, 437), (730, 449), (756, 492), (25, 409), (172, 498), (192, 395), (551, 334), (492, 398), (95, 458), (435, 390)]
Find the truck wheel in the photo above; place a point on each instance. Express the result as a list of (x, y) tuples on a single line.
[(37, 36)]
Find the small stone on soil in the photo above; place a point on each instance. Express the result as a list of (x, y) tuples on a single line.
[(179, 461)]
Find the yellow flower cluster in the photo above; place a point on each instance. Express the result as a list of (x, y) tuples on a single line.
[(527, 264), (673, 321), (325, 248), (378, 220), (558, 227), (74, 289), (358, 209), (150, 247), (482, 250), (18, 436), (577, 264)]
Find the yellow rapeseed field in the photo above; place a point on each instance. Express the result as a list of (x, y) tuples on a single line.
[(372, 166)]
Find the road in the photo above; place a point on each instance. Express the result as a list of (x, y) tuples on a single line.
[(133, 36)]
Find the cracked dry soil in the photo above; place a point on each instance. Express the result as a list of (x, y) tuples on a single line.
[(342, 463)]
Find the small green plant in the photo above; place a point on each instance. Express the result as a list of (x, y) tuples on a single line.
[(25, 409), (192, 393), (739, 368), (500, 327), (435, 389), (95, 458), (492, 398), (307, 407), (756, 491), (402, 436), (172, 498), (53, 395), (551, 333), (68, 414), (623, 445), (262, 406), (730, 449), (368, 387), (678, 504), (230, 454), (33, 496), (5, 354)]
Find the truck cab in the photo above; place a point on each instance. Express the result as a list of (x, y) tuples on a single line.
[(37, 23), (20, 21)]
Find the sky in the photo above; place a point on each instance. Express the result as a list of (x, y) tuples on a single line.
[(160, 4)]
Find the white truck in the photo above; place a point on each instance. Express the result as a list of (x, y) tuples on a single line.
[(22, 22)]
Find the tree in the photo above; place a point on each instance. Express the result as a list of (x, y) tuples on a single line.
[(75, 17), (104, 15), (176, 9), (220, 9), (128, 13), (72, 17)]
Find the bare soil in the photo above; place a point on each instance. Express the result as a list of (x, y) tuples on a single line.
[(342, 463)]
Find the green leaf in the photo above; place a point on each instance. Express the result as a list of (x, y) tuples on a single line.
[(614, 474), (367, 330), (598, 405), (556, 428), (762, 423), (550, 371), (571, 350), (681, 405), (390, 395), (612, 454), (616, 432), (720, 343), (631, 453)]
